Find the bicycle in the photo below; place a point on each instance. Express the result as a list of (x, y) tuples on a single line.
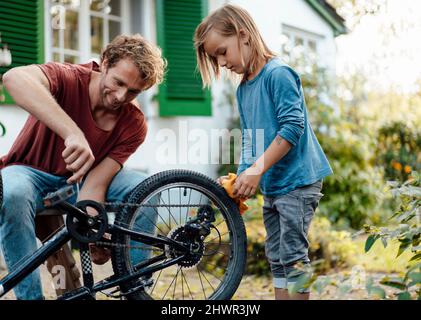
[(199, 242)]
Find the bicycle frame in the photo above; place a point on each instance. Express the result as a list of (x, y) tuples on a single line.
[(62, 236)]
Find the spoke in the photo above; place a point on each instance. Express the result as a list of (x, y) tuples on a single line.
[(187, 212), (156, 281), (213, 275), (201, 282), (219, 236), (169, 205), (169, 287), (223, 220), (169, 211), (162, 221), (207, 279), (175, 284), (179, 213), (162, 201), (182, 285), (154, 223), (188, 287)]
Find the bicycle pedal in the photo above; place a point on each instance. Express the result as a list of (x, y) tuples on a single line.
[(58, 196)]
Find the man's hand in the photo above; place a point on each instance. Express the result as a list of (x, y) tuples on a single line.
[(246, 184), (78, 157)]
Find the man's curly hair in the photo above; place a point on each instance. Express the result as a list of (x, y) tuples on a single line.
[(146, 56)]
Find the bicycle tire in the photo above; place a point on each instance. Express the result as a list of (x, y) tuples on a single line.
[(236, 262)]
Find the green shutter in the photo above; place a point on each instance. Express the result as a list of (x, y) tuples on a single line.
[(181, 93), (21, 27)]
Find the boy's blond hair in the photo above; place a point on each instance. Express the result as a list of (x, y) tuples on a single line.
[(146, 56), (228, 21)]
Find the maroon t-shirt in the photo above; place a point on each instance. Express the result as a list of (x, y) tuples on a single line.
[(39, 147)]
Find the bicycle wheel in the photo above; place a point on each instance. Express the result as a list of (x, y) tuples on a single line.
[(215, 269)]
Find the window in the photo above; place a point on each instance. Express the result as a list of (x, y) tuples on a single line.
[(65, 40), (80, 29), (292, 38), (105, 19)]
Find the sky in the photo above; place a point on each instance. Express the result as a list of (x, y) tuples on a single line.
[(388, 58)]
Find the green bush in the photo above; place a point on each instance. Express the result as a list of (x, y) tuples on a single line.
[(398, 150), (407, 232), (354, 193), (257, 263), (330, 248)]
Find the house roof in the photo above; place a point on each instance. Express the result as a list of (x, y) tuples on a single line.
[(329, 14)]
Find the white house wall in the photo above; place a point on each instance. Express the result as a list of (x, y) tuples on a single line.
[(270, 15), (13, 119)]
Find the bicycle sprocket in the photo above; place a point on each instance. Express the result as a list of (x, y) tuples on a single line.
[(197, 247)]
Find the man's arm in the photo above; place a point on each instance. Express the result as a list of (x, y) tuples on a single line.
[(98, 180), (30, 89)]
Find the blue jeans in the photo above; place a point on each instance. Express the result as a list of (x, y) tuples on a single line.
[(23, 191)]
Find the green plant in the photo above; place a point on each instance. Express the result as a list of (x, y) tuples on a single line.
[(353, 194), (407, 232), (398, 150), (329, 247), (257, 263)]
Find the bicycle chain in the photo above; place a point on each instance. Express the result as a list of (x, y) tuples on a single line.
[(126, 204), (111, 244)]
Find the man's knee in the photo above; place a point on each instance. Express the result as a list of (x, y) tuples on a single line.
[(124, 183), (130, 177), (18, 196)]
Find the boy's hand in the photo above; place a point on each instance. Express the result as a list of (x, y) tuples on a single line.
[(246, 184), (78, 157), (220, 179)]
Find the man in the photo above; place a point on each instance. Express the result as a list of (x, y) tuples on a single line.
[(84, 123)]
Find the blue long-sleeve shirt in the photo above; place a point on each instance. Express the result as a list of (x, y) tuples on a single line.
[(273, 104)]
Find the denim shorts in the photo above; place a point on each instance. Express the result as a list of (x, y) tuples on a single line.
[(287, 219)]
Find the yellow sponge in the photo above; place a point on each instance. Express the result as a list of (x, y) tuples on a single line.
[(228, 185)]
